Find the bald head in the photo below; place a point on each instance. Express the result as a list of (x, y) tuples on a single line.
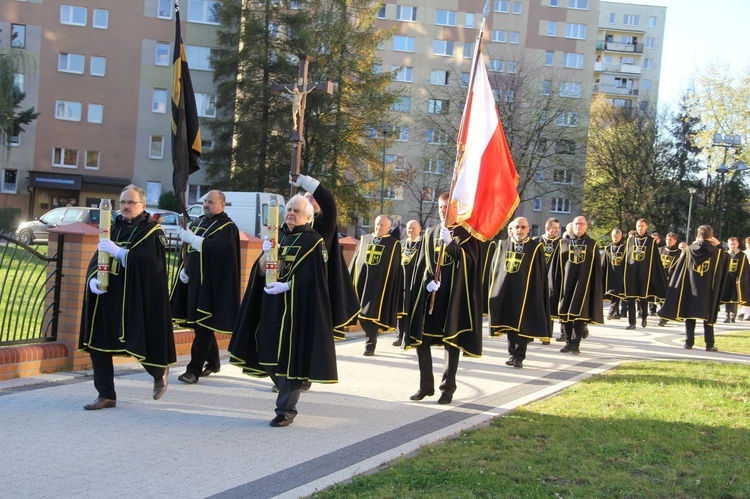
[(519, 229)]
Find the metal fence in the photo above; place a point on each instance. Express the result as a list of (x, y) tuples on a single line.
[(29, 293)]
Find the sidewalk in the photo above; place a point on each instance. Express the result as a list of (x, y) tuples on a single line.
[(212, 439)]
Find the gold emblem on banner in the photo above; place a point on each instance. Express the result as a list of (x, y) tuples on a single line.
[(513, 261), (577, 254), (287, 256), (373, 254), (702, 268), (639, 254), (734, 263)]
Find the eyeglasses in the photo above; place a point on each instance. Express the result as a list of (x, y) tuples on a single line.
[(521, 227), (129, 203)]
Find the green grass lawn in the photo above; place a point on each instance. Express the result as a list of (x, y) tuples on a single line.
[(644, 429)]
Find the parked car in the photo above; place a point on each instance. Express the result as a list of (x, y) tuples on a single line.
[(171, 224), (37, 231)]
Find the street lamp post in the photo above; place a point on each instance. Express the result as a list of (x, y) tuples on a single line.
[(691, 190), (726, 141), (382, 177)]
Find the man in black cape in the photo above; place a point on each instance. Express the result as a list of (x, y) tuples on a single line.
[(737, 287), (612, 270), (519, 293), (696, 286), (206, 296), (575, 283), (550, 239), (325, 223), (411, 257), (455, 321), (378, 279), (643, 275), (131, 317), (669, 254), (284, 328)]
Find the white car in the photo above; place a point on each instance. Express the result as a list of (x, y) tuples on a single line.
[(171, 224)]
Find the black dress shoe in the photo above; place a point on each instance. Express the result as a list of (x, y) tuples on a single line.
[(160, 385), (585, 333), (630, 326), (510, 361), (397, 343), (422, 394), (575, 351), (560, 338), (100, 403), (566, 349), (280, 421), (662, 322), (369, 353), (445, 398), (208, 371), (306, 385), (188, 378), (644, 322), (275, 389), (517, 364), (712, 349), (687, 347)]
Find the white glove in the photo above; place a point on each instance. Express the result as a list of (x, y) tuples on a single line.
[(184, 277), (433, 286), (276, 288), (94, 287), (445, 235), (267, 245), (116, 251), (192, 239), (307, 183)]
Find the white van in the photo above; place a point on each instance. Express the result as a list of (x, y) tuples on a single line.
[(249, 210)]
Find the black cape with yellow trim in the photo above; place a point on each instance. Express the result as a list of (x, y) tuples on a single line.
[(486, 254), (669, 256), (211, 297), (377, 277), (575, 281), (411, 256), (290, 333), (696, 284), (340, 285), (737, 286), (456, 318), (643, 275), (613, 268), (550, 246), (133, 316), (519, 292)]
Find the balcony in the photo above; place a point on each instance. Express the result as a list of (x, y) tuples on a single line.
[(617, 68), (611, 89), (633, 48)]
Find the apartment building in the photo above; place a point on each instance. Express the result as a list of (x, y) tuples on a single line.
[(99, 72)]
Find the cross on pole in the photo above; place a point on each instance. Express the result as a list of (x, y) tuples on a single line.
[(299, 93)]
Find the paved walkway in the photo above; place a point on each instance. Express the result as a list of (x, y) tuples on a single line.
[(212, 439)]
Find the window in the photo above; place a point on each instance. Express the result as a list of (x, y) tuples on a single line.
[(70, 14), (153, 191), (381, 12), (514, 37), (650, 42), (70, 63), (434, 165), (612, 18), (469, 21), (631, 20), (10, 181), (564, 146), (442, 47), (571, 60), (546, 87), (428, 195), (95, 113), (648, 63), (206, 104), (549, 58), (403, 74), (100, 19), (405, 13), (570, 89), (376, 69), (440, 77), (435, 137), (198, 57), (578, 4), (402, 104), (403, 134), (554, 3), (465, 79), (651, 21), (645, 85), (502, 6), (537, 204), (165, 9), (98, 66), (499, 36), (512, 65), (66, 158), (159, 101), (516, 7), (156, 147), (560, 205), (67, 110), (468, 50), (562, 176), (162, 54), (627, 60), (445, 17), (203, 11), (496, 66), (509, 96), (567, 118), (207, 145), (18, 36), (551, 28), (437, 106), (576, 31), (403, 43), (92, 160)]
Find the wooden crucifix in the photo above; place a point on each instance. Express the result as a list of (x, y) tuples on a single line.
[(299, 93)]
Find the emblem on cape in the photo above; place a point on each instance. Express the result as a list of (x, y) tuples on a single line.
[(639, 253), (513, 261), (407, 256), (325, 256), (447, 257), (616, 260), (577, 254), (519, 247), (549, 248), (374, 253), (163, 240), (666, 260), (734, 263), (287, 259), (702, 268)]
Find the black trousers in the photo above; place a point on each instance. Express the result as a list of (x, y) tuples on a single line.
[(642, 308), (731, 309), (289, 393), (371, 331), (403, 323), (708, 333), (517, 345), (104, 373), (426, 378), (204, 351), (618, 306), (574, 332)]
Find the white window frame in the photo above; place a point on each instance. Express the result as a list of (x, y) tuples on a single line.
[(554, 3), (403, 43), (164, 9), (403, 134), (381, 12), (515, 37), (573, 60), (103, 60), (68, 14), (549, 58), (6, 187), (198, 57), (206, 104), (159, 100), (443, 48), (567, 118), (570, 89), (650, 42), (648, 63), (502, 6), (546, 87), (403, 74), (201, 11), (551, 28), (152, 153), (517, 8), (18, 36), (440, 77), (100, 23), (469, 21), (95, 113), (437, 137), (434, 166), (499, 36), (160, 47), (562, 176), (63, 154), (645, 85), (68, 110), (578, 4), (401, 105), (612, 18), (468, 50), (537, 204), (560, 205), (496, 66), (86, 155), (153, 192), (406, 13), (512, 67), (70, 60), (465, 76), (445, 17), (575, 31), (438, 106), (652, 21), (631, 20)]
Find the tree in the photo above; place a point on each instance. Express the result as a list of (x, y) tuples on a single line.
[(12, 117)]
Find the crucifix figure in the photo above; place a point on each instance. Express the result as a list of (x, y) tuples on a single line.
[(299, 93)]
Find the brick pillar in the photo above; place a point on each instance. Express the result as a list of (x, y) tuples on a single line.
[(80, 242), (250, 249)]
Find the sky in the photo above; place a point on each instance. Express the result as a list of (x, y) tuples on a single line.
[(697, 32)]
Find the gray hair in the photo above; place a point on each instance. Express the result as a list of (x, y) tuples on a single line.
[(141, 193)]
